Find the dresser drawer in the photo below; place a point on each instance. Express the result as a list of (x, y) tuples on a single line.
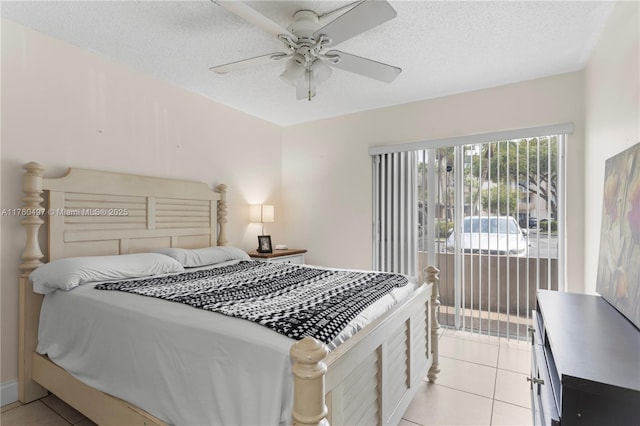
[(543, 404)]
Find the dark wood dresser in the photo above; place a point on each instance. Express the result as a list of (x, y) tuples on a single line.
[(585, 365)]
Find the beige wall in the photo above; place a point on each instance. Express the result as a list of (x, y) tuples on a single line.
[(327, 169), (612, 80), (63, 106)]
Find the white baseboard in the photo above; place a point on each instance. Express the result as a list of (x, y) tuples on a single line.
[(9, 392)]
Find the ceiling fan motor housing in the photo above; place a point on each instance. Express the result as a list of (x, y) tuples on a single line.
[(305, 23)]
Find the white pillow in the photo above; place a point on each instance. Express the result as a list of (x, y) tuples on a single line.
[(71, 272), (192, 258)]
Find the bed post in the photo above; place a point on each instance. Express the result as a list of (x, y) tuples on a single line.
[(222, 215), (309, 369), (30, 302), (432, 277)]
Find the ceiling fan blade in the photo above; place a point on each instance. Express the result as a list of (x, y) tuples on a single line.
[(253, 17), (247, 63), (364, 66), (360, 18)]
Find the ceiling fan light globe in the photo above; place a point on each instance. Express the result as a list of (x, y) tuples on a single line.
[(321, 71), (292, 72), (286, 79)]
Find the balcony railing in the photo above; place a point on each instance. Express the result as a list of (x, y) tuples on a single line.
[(497, 293)]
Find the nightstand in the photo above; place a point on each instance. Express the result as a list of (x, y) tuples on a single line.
[(280, 256)]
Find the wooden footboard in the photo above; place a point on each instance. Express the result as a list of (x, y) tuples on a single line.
[(372, 377)]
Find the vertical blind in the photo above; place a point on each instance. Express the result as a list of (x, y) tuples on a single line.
[(395, 214)]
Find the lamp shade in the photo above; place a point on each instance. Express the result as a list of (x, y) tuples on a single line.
[(261, 213), (267, 213), (255, 213)]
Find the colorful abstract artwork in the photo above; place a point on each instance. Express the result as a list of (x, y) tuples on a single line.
[(619, 260)]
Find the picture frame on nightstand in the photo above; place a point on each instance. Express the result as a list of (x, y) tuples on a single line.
[(264, 244)]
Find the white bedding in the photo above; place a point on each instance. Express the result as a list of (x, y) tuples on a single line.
[(185, 366)]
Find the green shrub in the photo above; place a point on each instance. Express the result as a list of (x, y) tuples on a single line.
[(442, 229), (544, 226)]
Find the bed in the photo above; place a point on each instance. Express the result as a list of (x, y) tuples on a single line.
[(368, 379)]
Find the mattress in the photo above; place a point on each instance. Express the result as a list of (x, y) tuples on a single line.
[(185, 366)]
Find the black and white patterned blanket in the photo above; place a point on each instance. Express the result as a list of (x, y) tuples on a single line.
[(293, 300)]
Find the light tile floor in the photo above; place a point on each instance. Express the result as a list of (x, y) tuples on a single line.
[(482, 382)]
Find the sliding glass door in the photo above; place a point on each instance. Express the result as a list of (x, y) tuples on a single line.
[(490, 216)]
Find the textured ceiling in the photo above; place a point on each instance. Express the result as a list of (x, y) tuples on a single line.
[(442, 47)]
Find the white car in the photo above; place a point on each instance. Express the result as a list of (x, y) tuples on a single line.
[(497, 235)]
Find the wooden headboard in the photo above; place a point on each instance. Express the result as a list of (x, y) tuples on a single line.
[(93, 212)]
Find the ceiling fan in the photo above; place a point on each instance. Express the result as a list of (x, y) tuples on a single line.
[(308, 45)]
